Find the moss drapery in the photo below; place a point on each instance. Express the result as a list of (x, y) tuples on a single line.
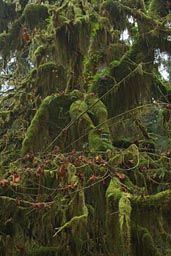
[(85, 128)]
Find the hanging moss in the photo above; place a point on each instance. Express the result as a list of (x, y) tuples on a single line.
[(35, 15), (7, 14), (113, 191), (50, 79), (4, 44), (125, 224), (39, 54), (40, 132), (159, 8), (43, 251), (82, 123), (154, 201), (115, 13), (97, 143), (145, 242), (84, 201)]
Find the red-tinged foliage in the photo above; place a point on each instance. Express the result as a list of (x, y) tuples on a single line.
[(120, 175), (81, 176), (131, 161), (20, 246), (74, 152), (56, 150), (16, 178), (69, 187), (29, 157), (93, 178), (123, 189), (40, 171), (40, 205), (4, 182), (25, 35), (166, 153), (62, 171)]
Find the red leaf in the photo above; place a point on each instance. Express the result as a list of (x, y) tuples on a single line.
[(120, 175), (16, 178), (62, 171), (38, 205), (93, 178), (3, 182)]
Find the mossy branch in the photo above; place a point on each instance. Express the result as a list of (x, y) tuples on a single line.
[(74, 222)]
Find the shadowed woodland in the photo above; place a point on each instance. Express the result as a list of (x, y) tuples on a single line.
[(85, 128)]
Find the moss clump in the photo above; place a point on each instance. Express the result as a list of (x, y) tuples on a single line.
[(87, 114), (43, 251), (159, 8), (4, 43), (97, 143), (50, 79), (5, 116), (82, 123), (125, 223), (11, 40), (7, 14), (155, 201), (39, 54), (35, 15), (34, 138), (15, 34), (145, 243), (113, 191), (115, 13), (99, 138), (47, 124)]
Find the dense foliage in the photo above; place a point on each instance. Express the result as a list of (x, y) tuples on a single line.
[(85, 127)]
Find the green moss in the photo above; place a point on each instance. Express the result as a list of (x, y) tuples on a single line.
[(43, 251), (4, 43), (7, 14), (99, 138), (98, 111), (5, 115), (97, 143), (39, 54), (77, 224), (76, 94), (145, 242), (50, 79), (153, 201), (82, 123), (35, 15), (113, 10), (15, 34), (116, 159), (39, 123), (113, 191), (158, 8), (47, 123), (12, 40), (125, 223)]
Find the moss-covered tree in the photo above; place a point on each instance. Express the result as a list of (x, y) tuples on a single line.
[(85, 128)]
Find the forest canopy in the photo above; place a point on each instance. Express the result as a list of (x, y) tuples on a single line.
[(85, 152)]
